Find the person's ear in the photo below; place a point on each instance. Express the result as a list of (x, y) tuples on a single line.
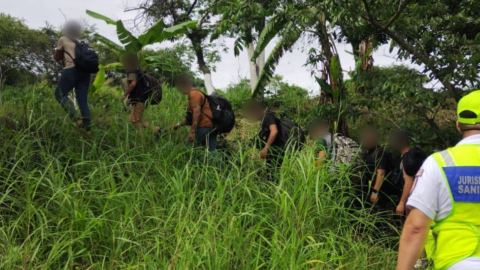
[(458, 127)]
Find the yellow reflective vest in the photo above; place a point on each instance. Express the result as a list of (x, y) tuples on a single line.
[(457, 236)]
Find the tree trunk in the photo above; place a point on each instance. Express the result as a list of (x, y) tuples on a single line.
[(336, 84), (202, 65), (254, 74), (355, 46), (256, 67), (365, 47)]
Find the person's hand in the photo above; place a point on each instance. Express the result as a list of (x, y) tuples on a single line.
[(263, 153), (174, 127), (191, 137), (374, 198), (401, 209)]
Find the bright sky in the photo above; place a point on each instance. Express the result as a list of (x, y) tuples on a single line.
[(231, 69)]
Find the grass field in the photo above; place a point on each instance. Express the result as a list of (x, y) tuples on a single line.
[(123, 201)]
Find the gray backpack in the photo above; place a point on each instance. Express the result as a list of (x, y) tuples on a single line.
[(345, 150)]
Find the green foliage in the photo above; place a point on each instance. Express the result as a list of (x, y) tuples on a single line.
[(26, 54), (437, 34), (155, 34), (238, 93), (98, 82), (101, 17), (398, 98), (124, 201), (168, 63)]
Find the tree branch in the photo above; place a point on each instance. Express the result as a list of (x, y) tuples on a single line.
[(401, 8), (411, 49), (383, 117), (192, 7)]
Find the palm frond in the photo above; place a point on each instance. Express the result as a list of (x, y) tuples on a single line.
[(271, 29), (290, 37), (98, 82), (101, 17), (148, 36), (130, 42), (175, 30), (110, 44)]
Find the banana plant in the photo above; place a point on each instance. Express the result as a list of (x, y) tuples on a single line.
[(155, 34)]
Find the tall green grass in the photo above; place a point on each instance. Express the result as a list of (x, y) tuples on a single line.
[(124, 201)]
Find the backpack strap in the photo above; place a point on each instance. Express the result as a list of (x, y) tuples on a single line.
[(203, 105), (68, 54), (76, 44)]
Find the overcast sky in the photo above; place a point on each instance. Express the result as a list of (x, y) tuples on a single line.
[(231, 69)]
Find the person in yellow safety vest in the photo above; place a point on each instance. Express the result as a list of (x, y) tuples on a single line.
[(447, 192)]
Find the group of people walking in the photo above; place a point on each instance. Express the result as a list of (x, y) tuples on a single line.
[(440, 194)]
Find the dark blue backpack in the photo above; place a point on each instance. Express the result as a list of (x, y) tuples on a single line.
[(86, 59)]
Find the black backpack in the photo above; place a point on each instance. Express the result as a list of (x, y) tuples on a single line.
[(290, 134), (153, 88), (86, 59), (222, 111)]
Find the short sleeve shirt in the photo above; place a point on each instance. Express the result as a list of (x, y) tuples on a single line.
[(136, 96), (67, 46), (268, 120), (197, 99), (431, 195)]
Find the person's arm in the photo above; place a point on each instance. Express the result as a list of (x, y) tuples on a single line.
[(412, 241), (59, 51), (271, 139), (195, 99), (407, 187), (321, 157), (380, 176), (58, 55), (195, 118), (131, 86)]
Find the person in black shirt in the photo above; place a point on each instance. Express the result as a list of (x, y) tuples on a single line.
[(375, 187), (410, 163), (271, 146)]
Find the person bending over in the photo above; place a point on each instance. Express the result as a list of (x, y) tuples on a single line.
[(270, 144), (199, 115), (136, 93)]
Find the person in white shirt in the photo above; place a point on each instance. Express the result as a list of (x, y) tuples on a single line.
[(434, 195)]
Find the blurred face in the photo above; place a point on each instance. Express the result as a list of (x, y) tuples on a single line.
[(183, 87), (394, 144), (369, 139), (318, 131), (253, 114)]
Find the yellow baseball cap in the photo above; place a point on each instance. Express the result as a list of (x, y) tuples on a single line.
[(468, 109)]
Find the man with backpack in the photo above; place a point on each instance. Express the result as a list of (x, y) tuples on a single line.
[(275, 136), (79, 62), (411, 161), (199, 115), (141, 90), (339, 149)]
